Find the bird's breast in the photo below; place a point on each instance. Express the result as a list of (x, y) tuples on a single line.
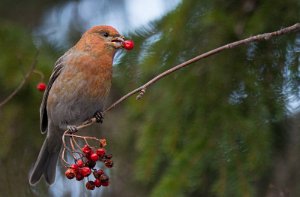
[(81, 88), (88, 76)]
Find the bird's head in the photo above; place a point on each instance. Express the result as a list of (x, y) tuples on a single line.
[(105, 37)]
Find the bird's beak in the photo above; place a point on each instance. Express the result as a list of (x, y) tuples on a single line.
[(117, 42)]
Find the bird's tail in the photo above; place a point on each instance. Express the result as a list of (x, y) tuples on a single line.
[(45, 163)]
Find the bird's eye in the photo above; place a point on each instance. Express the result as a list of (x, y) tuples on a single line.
[(105, 34)]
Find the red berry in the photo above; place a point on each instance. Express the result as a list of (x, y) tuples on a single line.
[(109, 163), (90, 185), (105, 184), (101, 152), (79, 176), (94, 157), (97, 183), (85, 171), (79, 163), (41, 86), (88, 155), (98, 173), (86, 149), (70, 173), (104, 178), (74, 167), (128, 44)]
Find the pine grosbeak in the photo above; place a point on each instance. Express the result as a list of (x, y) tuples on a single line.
[(76, 91)]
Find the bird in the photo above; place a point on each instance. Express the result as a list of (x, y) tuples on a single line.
[(77, 89)]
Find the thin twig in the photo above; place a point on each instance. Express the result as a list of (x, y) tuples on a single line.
[(64, 142), (141, 90), (71, 142), (82, 137), (63, 160), (74, 141), (26, 77)]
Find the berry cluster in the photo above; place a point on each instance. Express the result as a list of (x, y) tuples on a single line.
[(85, 166)]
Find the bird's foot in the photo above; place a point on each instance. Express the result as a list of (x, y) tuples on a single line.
[(99, 116), (72, 129)]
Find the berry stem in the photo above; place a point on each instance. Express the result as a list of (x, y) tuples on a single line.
[(71, 142), (75, 142), (64, 162)]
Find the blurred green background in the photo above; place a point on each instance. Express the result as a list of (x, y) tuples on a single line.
[(225, 126)]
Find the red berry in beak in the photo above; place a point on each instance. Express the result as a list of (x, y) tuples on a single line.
[(128, 44), (41, 86)]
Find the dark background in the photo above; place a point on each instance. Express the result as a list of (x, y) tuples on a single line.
[(225, 126)]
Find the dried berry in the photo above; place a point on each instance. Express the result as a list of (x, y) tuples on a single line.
[(79, 176), (70, 173), (90, 185), (109, 156), (103, 143), (108, 163), (98, 173), (104, 178)]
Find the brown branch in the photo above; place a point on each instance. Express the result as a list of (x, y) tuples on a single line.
[(142, 89), (26, 77)]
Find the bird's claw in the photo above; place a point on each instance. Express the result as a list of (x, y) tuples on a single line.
[(72, 129), (99, 116)]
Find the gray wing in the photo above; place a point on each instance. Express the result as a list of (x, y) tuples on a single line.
[(43, 108)]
